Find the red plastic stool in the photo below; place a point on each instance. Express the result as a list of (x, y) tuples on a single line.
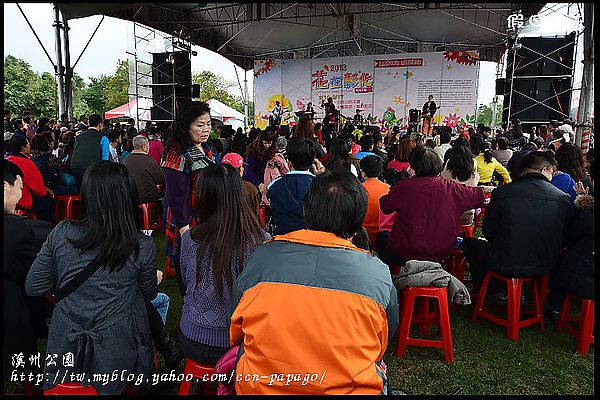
[(64, 207), (262, 213), (25, 213), (147, 221), (457, 264), (394, 269), (513, 322), (198, 371), (441, 318), (585, 334), (71, 389), (466, 231)]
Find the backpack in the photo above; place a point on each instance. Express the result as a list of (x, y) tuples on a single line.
[(276, 167)]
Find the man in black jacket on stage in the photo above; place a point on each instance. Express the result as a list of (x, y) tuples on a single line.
[(429, 109)]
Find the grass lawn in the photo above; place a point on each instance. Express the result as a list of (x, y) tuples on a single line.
[(485, 361)]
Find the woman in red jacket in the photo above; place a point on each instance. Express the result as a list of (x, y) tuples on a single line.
[(33, 183)]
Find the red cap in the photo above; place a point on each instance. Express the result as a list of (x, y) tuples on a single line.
[(233, 159)]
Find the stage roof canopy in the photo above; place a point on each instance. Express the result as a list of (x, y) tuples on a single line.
[(243, 32)]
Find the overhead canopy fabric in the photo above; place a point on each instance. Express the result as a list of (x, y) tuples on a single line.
[(246, 32)]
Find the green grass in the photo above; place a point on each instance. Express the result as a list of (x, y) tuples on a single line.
[(485, 361)]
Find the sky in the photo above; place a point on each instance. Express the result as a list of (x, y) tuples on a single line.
[(110, 44)]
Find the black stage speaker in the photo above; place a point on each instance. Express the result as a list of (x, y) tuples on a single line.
[(500, 86), (413, 116), (545, 79), (171, 84)]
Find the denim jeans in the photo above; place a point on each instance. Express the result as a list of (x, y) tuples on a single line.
[(161, 303)]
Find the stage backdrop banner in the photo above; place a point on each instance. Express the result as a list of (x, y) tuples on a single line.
[(385, 87)]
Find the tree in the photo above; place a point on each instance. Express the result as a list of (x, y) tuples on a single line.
[(117, 87), (213, 86), (93, 95), (26, 90), (484, 115)]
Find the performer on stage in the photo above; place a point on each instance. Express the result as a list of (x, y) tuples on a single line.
[(276, 114), (429, 109), (330, 112), (358, 119), (310, 111)]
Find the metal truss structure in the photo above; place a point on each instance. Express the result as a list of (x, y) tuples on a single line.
[(244, 32)]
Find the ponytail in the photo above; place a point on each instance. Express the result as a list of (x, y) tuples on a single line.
[(487, 155)]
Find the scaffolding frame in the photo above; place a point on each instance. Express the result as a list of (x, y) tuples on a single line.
[(143, 70), (518, 46)]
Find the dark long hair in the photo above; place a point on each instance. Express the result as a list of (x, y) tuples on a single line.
[(256, 148), (304, 129), (478, 146), (570, 160), (227, 226), (338, 155), (461, 164), (109, 214), (180, 138)]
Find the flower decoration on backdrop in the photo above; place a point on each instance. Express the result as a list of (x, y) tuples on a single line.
[(451, 120), (267, 66), (462, 57)]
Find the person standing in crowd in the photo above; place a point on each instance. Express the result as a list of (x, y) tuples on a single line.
[(146, 171), (33, 182), (523, 227), (18, 127), (28, 126), (187, 153), (107, 311), (305, 129), (90, 146), (515, 137), (212, 256), (155, 144), (130, 129), (299, 283), (502, 153), (444, 146), (379, 148), (286, 194), (258, 153), (8, 126), (83, 123), (114, 140), (416, 201), (486, 164), (250, 191), (24, 316), (64, 120), (372, 167)]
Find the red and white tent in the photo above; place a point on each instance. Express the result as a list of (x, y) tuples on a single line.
[(131, 110), (229, 115)]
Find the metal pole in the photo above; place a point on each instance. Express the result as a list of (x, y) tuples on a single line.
[(246, 105), (68, 72), (586, 97), (512, 75), (495, 102), (59, 66)]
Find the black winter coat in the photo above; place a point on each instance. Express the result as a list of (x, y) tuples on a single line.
[(24, 316), (524, 223), (578, 263)]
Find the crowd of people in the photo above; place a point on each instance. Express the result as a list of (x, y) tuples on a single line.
[(341, 209)]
